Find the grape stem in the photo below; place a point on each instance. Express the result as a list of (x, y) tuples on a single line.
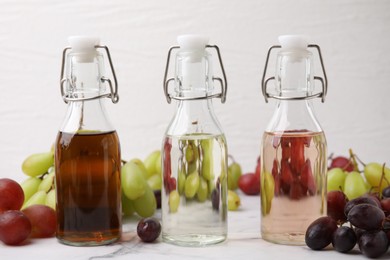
[(354, 162)]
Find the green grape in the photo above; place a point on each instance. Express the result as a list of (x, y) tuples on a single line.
[(30, 187), (51, 199), (142, 167), (155, 182), (207, 159), (336, 179), (354, 185), (203, 190), (150, 162), (181, 179), (47, 182), (267, 192), (234, 173), (191, 185), (146, 205), (133, 181), (233, 200), (37, 164), (373, 174), (191, 152), (127, 206), (39, 198), (174, 201)]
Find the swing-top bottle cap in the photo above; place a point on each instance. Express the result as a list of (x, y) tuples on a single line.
[(85, 46), (192, 42), (293, 42)]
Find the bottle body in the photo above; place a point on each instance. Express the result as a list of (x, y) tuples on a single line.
[(194, 210), (88, 188)]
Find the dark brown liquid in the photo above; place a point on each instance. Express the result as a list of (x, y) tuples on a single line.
[(88, 188)]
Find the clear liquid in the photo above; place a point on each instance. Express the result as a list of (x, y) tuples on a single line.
[(202, 219), (88, 188), (293, 185)]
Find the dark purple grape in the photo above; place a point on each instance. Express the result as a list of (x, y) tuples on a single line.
[(157, 195), (336, 201), (319, 234), (215, 199), (373, 244), (386, 192), (358, 232), (344, 239), (148, 229), (360, 200), (366, 216)]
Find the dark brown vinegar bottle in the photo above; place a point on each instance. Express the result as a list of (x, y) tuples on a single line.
[(87, 152)]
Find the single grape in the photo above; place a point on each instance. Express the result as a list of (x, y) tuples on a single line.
[(354, 185), (203, 190), (319, 233), (15, 227), (335, 179), (11, 195), (373, 244), (127, 206), (249, 183), (234, 174), (207, 170), (174, 201), (39, 198), (360, 200), (146, 205), (148, 229), (373, 173), (336, 201), (215, 198), (181, 180), (30, 187), (385, 204), (38, 164), (43, 220), (191, 185), (344, 239), (133, 180), (150, 162), (386, 192), (366, 216), (142, 167), (233, 200), (358, 232), (343, 163)]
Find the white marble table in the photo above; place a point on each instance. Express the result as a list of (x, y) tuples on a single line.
[(243, 243)]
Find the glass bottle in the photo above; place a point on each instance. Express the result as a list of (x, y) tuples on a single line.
[(293, 176), (87, 150), (194, 151)]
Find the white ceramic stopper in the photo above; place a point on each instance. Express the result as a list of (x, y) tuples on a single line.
[(294, 42), (191, 42), (84, 47)]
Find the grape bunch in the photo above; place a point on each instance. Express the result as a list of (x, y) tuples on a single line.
[(17, 224)]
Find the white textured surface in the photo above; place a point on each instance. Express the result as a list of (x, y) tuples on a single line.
[(354, 36)]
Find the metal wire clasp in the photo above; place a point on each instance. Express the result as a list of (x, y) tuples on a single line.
[(113, 95), (324, 81), (222, 82)]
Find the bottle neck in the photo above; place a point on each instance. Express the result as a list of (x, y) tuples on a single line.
[(88, 115), (194, 117), (293, 115)]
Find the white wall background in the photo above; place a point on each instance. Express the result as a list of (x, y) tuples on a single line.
[(354, 37)]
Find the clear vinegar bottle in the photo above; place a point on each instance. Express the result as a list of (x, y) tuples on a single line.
[(87, 150), (294, 159), (194, 152)]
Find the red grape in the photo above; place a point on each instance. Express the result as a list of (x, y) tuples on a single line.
[(386, 192), (336, 201), (43, 220), (12, 196), (15, 227), (148, 229), (385, 204), (319, 233), (360, 200), (343, 163), (249, 183), (373, 244)]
